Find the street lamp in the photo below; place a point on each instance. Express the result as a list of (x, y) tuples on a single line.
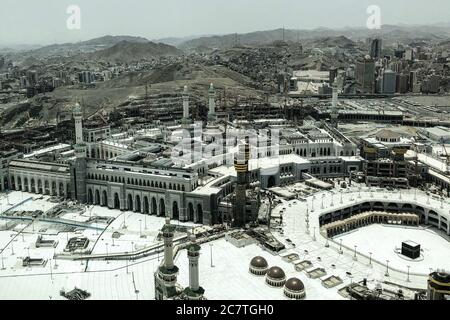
[(387, 268), (354, 256), (140, 228), (3, 265), (340, 246), (351, 285), (407, 278), (370, 258), (323, 195), (51, 273), (210, 248), (54, 257)]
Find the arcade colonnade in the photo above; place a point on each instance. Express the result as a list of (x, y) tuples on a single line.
[(177, 205), (367, 212), (42, 178)]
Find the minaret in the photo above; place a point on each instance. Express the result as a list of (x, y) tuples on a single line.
[(168, 233), (212, 104), (186, 121), (334, 110), (78, 170), (185, 103), (166, 276), (78, 116), (194, 292), (240, 199)]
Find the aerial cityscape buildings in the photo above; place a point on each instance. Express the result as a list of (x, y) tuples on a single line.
[(263, 167)]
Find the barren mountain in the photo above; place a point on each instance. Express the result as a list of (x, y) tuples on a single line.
[(125, 51), (389, 33)]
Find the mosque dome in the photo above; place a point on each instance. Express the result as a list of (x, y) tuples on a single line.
[(294, 289), (295, 284), (275, 277), (259, 262), (258, 266), (276, 273)]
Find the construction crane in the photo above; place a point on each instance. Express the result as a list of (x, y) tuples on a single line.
[(447, 156)]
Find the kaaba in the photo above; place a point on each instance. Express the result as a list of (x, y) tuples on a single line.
[(411, 249)]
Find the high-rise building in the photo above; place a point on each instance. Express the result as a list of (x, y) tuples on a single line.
[(399, 53), (402, 83), (409, 54), (333, 74), (413, 85), (375, 48), (86, 77), (32, 77), (389, 82), (365, 75), (433, 83)]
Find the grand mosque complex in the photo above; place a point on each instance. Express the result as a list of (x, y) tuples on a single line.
[(218, 209)]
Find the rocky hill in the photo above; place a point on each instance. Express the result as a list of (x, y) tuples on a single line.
[(125, 52), (389, 33)]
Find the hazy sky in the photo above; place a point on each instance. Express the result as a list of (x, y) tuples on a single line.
[(44, 21)]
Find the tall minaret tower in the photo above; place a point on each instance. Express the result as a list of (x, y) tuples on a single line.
[(78, 170), (334, 110), (186, 121), (166, 276), (168, 233), (240, 197), (185, 103), (212, 103), (194, 291), (78, 117)]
